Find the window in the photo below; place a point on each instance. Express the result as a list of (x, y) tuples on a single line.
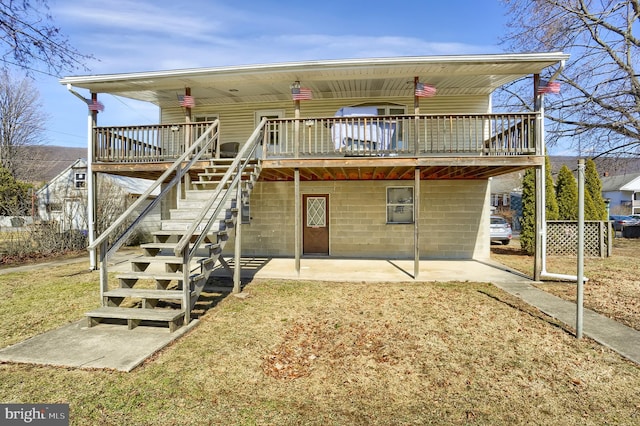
[(397, 138), (80, 180), (199, 130), (273, 129), (54, 207), (400, 204)]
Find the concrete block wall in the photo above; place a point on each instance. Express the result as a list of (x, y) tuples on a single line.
[(454, 220)]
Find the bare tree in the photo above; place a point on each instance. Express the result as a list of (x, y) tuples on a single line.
[(21, 125), (598, 110), (29, 39)]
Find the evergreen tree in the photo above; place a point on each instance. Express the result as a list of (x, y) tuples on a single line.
[(567, 195), (14, 195), (593, 186), (590, 211), (550, 192), (528, 224)]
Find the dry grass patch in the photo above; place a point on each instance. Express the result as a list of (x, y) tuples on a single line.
[(360, 354), (613, 285), (37, 301)]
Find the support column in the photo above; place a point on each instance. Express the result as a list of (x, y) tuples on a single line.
[(296, 128), (187, 141), (416, 225), (92, 196), (238, 238), (298, 221), (537, 261), (416, 111), (541, 225)]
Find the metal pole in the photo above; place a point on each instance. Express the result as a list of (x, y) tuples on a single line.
[(298, 219), (416, 225), (580, 278)]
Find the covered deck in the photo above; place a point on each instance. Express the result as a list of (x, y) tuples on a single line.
[(470, 146)]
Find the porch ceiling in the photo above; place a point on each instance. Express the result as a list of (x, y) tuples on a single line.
[(365, 78)]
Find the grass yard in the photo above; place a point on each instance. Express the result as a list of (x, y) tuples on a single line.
[(310, 353), (613, 288)]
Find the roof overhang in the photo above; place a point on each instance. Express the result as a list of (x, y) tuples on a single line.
[(464, 75)]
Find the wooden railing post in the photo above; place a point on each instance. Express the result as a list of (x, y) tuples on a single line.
[(104, 275)]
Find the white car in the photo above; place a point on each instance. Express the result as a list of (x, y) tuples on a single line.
[(500, 230)]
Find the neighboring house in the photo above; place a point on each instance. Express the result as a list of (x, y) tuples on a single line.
[(623, 193), (506, 198), (363, 158), (63, 200)]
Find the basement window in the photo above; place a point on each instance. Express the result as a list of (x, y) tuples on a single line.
[(400, 204)]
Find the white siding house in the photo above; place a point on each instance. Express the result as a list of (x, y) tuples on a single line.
[(64, 199), (623, 191)]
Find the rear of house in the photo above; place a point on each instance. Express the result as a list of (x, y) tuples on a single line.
[(362, 158)]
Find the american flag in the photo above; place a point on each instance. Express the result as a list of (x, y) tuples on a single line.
[(95, 106), (425, 90), (549, 87), (187, 101), (301, 94)]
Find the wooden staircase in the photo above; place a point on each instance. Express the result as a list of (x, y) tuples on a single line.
[(153, 291)]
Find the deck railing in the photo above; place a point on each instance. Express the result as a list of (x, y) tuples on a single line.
[(397, 135), (149, 143)]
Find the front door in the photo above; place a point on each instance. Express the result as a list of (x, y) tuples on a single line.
[(315, 224)]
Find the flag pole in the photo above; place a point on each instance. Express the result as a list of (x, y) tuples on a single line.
[(416, 98)]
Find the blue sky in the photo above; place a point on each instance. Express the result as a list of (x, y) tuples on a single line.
[(146, 35)]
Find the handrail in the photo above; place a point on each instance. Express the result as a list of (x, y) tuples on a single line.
[(243, 157), (179, 174)]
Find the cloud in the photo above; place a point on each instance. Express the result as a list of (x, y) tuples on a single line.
[(133, 35)]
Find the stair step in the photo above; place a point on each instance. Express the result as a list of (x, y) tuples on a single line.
[(162, 238), (197, 204), (198, 194), (154, 275), (134, 315), (168, 259), (211, 174), (142, 293), (190, 214), (184, 225)]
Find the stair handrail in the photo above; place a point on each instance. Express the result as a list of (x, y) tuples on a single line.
[(200, 145), (238, 164)]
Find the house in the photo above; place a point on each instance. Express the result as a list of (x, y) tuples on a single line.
[(506, 197), (63, 199), (371, 158), (623, 193)]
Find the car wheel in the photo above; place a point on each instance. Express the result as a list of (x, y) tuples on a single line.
[(505, 242)]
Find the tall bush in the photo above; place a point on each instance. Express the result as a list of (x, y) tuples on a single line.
[(528, 224), (593, 187), (551, 208), (567, 195)]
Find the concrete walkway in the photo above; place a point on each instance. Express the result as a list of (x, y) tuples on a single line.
[(115, 347)]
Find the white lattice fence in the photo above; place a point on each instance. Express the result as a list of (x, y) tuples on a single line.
[(562, 238)]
